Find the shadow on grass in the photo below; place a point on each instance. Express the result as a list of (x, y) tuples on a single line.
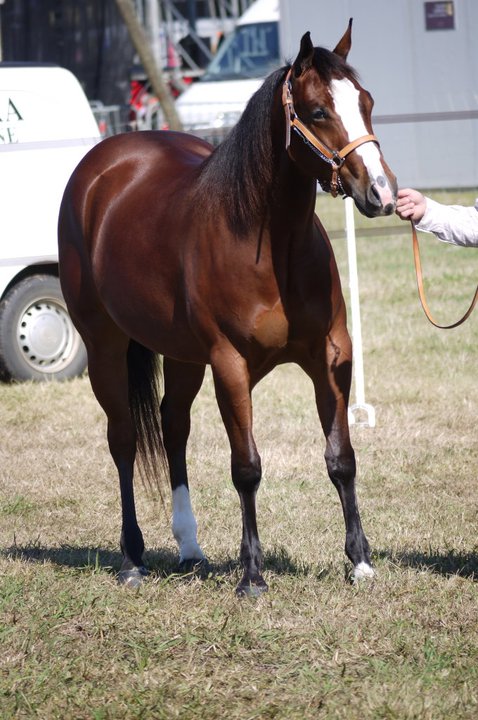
[(162, 563), (463, 564), (280, 562), (86, 558)]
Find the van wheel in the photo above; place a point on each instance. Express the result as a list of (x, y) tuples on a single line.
[(38, 340)]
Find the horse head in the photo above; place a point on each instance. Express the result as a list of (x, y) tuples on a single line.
[(329, 129)]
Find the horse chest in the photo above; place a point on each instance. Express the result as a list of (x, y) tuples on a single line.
[(271, 328)]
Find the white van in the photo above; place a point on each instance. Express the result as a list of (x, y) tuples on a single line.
[(214, 104), (46, 126)]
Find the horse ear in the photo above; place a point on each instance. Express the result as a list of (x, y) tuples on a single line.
[(305, 57), (345, 43)]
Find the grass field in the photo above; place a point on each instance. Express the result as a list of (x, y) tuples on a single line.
[(75, 645)]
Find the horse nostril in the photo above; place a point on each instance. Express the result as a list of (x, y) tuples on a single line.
[(373, 196)]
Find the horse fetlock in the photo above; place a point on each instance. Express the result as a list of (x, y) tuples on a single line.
[(357, 548), (362, 571), (132, 546)]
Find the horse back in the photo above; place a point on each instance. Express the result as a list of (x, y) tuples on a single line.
[(122, 163)]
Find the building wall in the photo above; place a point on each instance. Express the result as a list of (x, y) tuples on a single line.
[(420, 62)]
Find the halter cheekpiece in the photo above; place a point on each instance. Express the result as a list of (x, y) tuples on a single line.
[(334, 158)]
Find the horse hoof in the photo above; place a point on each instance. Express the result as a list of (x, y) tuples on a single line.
[(362, 571), (132, 578), (251, 590), (196, 566)]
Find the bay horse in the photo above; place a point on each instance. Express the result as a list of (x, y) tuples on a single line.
[(170, 248)]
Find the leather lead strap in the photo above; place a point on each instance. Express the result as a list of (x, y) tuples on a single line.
[(421, 292)]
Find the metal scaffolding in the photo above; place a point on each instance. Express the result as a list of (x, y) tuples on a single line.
[(184, 34)]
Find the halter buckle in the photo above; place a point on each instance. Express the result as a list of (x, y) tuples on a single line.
[(337, 160)]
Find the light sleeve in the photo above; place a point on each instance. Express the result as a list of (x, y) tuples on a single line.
[(454, 224)]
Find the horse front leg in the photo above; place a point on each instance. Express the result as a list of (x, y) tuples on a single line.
[(332, 381), (182, 382), (233, 393)]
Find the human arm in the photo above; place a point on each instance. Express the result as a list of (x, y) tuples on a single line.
[(456, 224)]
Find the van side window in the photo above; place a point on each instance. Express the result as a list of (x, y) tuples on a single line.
[(251, 51)]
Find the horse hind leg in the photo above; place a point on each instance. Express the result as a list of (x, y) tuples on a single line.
[(332, 383), (182, 383), (121, 376), (108, 366)]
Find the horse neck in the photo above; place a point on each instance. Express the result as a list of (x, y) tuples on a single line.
[(294, 192), (291, 226)]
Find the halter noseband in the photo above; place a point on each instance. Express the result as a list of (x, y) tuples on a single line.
[(335, 158)]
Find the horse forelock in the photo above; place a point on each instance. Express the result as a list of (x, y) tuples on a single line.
[(329, 65)]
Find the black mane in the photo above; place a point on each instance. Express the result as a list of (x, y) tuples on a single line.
[(241, 169)]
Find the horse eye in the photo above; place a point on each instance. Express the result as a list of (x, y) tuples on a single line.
[(319, 114)]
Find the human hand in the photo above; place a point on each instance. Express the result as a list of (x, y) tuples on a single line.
[(411, 204)]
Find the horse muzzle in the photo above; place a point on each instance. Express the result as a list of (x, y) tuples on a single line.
[(379, 198)]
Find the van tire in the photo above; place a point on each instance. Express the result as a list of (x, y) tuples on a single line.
[(38, 340)]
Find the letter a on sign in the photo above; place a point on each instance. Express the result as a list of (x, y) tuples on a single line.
[(12, 111)]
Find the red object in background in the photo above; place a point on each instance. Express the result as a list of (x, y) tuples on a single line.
[(137, 93), (141, 99)]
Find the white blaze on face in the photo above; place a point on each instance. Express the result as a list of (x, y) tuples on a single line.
[(346, 100), (185, 526)]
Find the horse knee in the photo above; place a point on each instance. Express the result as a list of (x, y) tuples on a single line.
[(247, 476), (341, 468)]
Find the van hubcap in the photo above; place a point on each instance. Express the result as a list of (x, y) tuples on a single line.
[(45, 335)]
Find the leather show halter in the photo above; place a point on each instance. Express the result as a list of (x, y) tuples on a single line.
[(335, 158), (421, 291)]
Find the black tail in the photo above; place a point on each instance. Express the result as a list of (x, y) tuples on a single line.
[(144, 375)]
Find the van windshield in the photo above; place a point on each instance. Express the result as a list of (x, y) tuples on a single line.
[(251, 51)]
